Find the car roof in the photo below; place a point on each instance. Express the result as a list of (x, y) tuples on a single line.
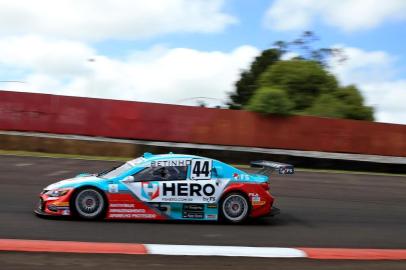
[(152, 157)]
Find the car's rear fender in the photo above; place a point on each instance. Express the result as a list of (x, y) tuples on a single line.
[(259, 198)]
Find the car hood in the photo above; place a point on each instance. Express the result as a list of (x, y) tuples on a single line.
[(73, 182)]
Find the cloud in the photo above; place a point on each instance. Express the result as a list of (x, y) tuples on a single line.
[(347, 15), (159, 74), (174, 75), (375, 73), (48, 56), (116, 19)]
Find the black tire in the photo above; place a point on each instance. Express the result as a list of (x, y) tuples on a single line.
[(234, 208), (89, 203)]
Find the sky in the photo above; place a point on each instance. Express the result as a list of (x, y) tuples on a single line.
[(175, 51)]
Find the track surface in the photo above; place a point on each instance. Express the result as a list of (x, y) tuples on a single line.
[(318, 210)]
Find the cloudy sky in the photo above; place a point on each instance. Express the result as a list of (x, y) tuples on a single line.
[(172, 51)]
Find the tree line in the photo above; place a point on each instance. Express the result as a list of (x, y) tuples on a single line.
[(301, 85)]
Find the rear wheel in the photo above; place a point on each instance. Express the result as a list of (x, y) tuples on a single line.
[(234, 208), (89, 203)]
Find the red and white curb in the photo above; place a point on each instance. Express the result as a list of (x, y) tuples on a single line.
[(197, 250)]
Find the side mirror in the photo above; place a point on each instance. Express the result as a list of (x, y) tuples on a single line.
[(217, 171), (129, 178)]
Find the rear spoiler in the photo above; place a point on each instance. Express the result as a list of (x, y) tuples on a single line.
[(269, 166)]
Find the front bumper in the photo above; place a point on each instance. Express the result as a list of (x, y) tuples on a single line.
[(48, 206), (41, 213)]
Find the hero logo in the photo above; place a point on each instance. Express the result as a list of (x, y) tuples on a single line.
[(150, 190), (184, 189)]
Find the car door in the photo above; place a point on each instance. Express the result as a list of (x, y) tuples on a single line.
[(192, 182), (159, 183), (205, 185)]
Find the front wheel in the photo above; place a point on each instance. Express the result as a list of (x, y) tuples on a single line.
[(89, 203), (234, 208)]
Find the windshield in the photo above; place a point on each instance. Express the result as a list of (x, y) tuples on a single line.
[(115, 171), (120, 169)]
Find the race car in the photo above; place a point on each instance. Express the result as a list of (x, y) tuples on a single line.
[(165, 187)]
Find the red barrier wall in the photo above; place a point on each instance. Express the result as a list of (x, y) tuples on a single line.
[(160, 122)]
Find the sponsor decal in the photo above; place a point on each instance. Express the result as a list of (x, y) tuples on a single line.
[(126, 210), (182, 191), (66, 212), (172, 162), (211, 216), (256, 199), (61, 204), (193, 215), (259, 203), (193, 207), (123, 205), (113, 188), (150, 190), (185, 189), (286, 170), (193, 211), (241, 177), (176, 199), (147, 216)]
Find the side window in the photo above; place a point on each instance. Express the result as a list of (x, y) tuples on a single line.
[(162, 173)]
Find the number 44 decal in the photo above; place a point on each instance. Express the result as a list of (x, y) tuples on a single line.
[(201, 169)]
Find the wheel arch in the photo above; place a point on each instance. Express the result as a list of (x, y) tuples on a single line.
[(76, 190), (234, 190)]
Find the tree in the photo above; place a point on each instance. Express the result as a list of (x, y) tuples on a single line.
[(345, 102), (303, 46), (327, 105), (302, 85), (246, 86), (270, 100), (303, 81), (305, 50), (353, 104), (310, 89)]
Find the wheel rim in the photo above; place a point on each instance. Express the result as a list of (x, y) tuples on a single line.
[(89, 203), (235, 207)]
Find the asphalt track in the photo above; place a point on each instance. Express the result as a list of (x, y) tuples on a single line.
[(318, 210)]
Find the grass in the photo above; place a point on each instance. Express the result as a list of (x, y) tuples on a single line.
[(106, 158)]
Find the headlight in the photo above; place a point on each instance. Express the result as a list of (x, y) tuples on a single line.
[(57, 192)]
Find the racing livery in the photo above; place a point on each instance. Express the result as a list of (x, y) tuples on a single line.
[(162, 187)]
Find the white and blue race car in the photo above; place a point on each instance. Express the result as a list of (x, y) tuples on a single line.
[(162, 187)]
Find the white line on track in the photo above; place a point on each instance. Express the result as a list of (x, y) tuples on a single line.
[(23, 164), (190, 250), (57, 173)]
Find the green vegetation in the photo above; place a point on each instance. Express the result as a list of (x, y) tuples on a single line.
[(270, 100), (302, 85), (246, 86)]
